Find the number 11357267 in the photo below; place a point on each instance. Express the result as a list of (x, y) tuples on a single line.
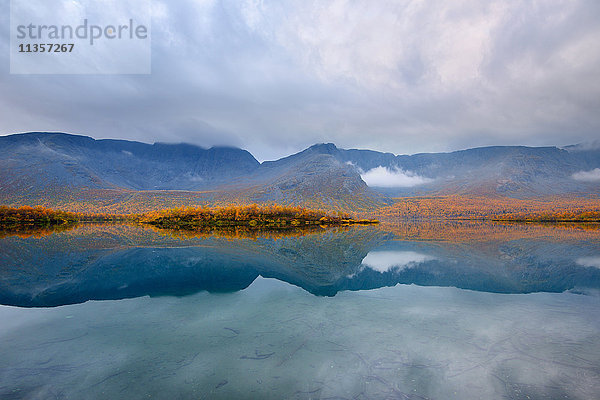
[(46, 48)]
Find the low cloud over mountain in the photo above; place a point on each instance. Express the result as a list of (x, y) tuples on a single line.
[(392, 178), (588, 176)]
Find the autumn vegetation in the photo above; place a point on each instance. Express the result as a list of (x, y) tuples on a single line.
[(253, 216), (204, 219), (250, 220), (35, 217), (564, 216), (555, 209)]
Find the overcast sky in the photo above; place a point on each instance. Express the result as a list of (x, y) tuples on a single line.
[(277, 76)]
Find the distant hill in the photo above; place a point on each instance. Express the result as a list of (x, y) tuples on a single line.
[(43, 168), (512, 171), (46, 168), (313, 177), (48, 159)]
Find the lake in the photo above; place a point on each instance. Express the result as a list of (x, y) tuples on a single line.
[(406, 310)]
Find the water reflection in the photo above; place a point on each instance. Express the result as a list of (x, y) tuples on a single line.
[(119, 261), (35, 231), (384, 261), (215, 329), (592, 262), (275, 341)]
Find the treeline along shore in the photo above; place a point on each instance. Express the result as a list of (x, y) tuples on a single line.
[(270, 217), (191, 218)]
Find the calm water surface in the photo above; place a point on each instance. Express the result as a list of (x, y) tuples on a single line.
[(407, 311)]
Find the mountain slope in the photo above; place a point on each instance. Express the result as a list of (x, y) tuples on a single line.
[(37, 167), (61, 170), (55, 159), (314, 177), (514, 171)]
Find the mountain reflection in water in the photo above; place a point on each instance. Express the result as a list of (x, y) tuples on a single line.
[(98, 262)]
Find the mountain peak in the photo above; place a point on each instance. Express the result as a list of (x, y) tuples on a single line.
[(324, 148)]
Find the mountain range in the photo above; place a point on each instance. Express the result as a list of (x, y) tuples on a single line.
[(41, 167)]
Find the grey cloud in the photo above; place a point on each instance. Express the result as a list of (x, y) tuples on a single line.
[(588, 176), (592, 145), (275, 77), (391, 178)]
